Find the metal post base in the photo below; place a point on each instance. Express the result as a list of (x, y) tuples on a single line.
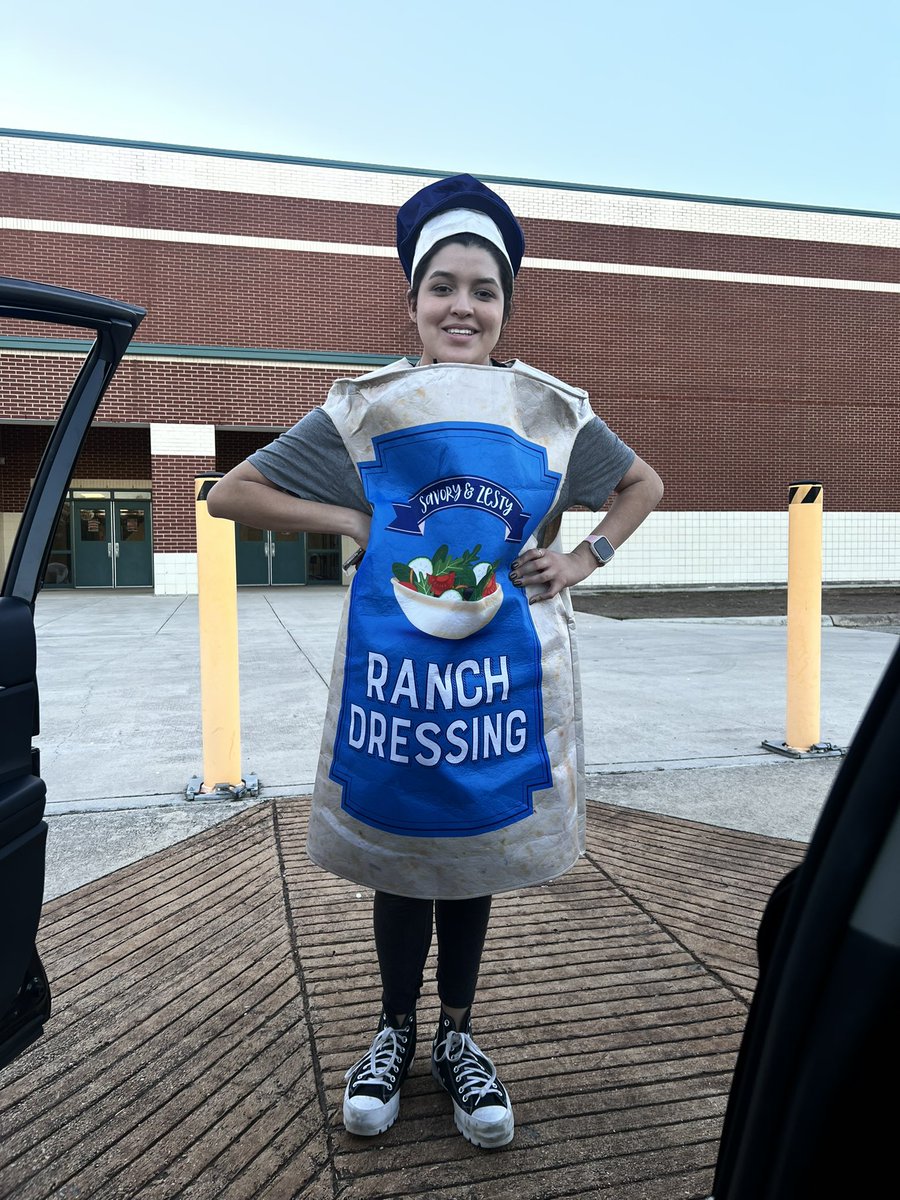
[(819, 750), (195, 790)]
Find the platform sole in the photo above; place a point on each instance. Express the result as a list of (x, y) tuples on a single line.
[(367, 1122), (490, 1138), (486, 1137)]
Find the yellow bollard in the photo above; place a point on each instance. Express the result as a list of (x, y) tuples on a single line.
[(804, 626), (219, 696), (804, 614)]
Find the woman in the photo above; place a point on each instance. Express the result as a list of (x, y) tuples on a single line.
[(451, 763)]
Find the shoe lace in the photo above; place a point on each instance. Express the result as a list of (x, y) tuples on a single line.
[(475, 1072), (380, 1060)]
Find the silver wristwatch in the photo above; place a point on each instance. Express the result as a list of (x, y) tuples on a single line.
[(601, 548)]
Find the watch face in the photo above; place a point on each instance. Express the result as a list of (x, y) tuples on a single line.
[(603, 549)]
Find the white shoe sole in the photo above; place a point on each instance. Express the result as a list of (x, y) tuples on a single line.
[(485, 1135), (367, 1122)]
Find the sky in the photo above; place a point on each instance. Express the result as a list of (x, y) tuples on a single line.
[(794, 102)]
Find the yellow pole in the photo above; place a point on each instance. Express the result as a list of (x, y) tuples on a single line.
[(804, 614), (217, 586)]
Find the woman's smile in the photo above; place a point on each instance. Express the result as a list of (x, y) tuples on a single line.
[(460, 332)]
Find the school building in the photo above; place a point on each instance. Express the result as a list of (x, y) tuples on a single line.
[(738, 346)]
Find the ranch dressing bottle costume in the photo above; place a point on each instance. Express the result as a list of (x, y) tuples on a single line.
[(452, 760)]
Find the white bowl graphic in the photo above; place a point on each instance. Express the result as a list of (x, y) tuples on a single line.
[(448, 615)]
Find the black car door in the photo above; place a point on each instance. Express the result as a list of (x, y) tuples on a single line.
[(24, 991), (813, 1109)]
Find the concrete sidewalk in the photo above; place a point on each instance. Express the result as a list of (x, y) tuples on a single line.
[(675, 712)]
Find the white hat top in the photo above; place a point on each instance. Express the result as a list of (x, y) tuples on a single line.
[(457, 220)]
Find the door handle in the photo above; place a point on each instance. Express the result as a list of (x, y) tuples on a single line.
[(109, 549), (117, 549), (272, 549)]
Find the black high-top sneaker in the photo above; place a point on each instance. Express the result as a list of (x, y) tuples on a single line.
[(481, 1104), (372, 1095)]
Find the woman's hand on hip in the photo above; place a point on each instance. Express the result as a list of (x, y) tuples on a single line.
[(550, 572)]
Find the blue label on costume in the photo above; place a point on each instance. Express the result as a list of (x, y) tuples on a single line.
[(440, 732)]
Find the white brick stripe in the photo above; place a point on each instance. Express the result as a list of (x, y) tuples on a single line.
[(194, 236), (173, 168), (300, 246), (565, 264), (195, 441)]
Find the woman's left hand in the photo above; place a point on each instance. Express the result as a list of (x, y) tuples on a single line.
[(550, 571)]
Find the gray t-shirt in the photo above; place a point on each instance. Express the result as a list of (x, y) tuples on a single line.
[(311, 462)]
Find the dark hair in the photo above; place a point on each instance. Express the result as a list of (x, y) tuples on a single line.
[(469, 239)]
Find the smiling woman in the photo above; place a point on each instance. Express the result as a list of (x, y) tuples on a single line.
[(448, 770)]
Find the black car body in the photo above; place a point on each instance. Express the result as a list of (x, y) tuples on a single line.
[(812, 1111), (24, 990)]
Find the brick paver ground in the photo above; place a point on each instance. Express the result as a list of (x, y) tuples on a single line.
[(208, 999)]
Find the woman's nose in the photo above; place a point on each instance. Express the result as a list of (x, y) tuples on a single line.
[(462, 303)]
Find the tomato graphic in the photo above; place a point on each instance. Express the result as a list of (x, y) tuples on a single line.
[(441, 583)]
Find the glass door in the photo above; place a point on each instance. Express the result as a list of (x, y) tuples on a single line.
[(323, 558), (93, 543), (102, 540), (132, 547), (287, 558), (266, 558), (252, 554)]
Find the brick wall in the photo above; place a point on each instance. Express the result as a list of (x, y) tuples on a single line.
[(174, 516)]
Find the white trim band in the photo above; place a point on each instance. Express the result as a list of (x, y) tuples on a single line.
[(195, 441), (300, 246)]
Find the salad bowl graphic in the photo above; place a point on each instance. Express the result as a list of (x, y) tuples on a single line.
[(448, 596)]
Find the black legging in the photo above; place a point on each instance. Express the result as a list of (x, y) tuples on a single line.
[(403, 939)]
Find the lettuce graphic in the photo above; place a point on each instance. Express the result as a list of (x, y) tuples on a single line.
[(466, 574)]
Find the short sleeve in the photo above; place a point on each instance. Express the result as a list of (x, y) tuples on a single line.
[(311, 462), (599, 460)]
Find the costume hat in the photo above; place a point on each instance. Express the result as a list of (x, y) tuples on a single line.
[(458, 204)]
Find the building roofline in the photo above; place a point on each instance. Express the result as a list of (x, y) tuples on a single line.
[(256, 354), (336, 164)]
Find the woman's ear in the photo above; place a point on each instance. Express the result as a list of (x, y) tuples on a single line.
[(411, 305)]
